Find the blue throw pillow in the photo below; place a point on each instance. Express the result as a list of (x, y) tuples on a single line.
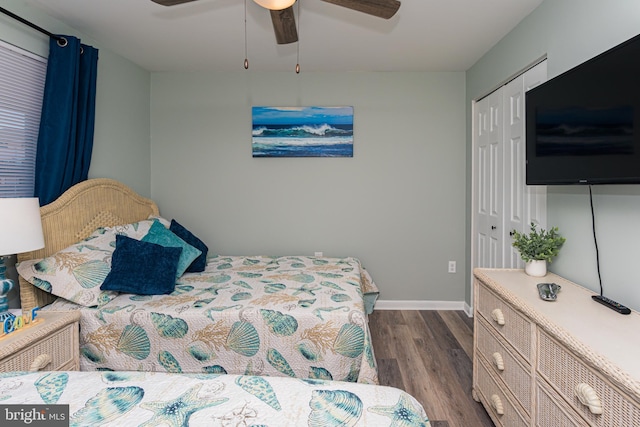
[(142, 268), (201, 262), (161, 235)]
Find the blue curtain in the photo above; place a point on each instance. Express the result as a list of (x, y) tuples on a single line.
[(65, 139)]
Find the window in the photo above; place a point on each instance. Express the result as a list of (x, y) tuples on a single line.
[(22, 77)]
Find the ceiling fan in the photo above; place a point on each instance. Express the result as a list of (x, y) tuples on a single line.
[(284, 24)]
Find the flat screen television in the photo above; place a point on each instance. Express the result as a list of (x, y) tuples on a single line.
[(583, 126)]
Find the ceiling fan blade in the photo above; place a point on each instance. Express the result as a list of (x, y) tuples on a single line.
[(284, 25), (380, 8), (170, 2)]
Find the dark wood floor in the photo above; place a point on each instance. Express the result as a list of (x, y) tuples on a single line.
[(429, 355)]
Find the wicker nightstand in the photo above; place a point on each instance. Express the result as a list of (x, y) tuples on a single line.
[(50, 345)]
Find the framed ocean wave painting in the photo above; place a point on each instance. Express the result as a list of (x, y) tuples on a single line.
[(302, 131)]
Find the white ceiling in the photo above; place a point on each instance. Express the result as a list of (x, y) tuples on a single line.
[(205, 35)]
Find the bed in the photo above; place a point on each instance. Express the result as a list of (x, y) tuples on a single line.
[(295, 316), (152, 398)]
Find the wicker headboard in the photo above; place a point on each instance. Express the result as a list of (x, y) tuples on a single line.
[(75, 215)]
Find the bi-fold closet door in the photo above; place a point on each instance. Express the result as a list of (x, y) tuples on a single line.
[(502, 201)]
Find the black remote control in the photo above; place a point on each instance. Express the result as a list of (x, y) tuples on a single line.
[(611, 304)]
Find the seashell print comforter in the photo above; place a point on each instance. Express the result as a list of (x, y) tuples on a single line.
[(300, 317), (160, 398)]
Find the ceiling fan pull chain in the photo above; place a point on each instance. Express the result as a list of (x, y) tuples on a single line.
[(298, 45), (246, 60)]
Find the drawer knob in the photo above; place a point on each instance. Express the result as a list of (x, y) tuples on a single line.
[(40, 362), (588, 397), (498, 361), (497, 316), (497, 404)]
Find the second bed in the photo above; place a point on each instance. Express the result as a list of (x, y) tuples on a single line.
[(296, 316)]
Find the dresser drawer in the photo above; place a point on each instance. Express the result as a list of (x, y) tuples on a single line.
[(550, 413), (504, 365), (60, 347), (564, 372), (514, 327), (500, 408)]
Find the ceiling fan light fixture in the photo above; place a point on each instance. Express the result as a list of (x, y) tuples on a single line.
[(275, 4)]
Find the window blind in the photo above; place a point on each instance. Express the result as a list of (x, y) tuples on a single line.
[(22, 77)]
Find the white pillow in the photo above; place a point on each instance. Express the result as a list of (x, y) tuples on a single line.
[(76, 272)]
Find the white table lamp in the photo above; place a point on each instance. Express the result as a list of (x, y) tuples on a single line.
[(20, 231)]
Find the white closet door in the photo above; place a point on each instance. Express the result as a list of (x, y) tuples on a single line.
[(514, 176), (489, 183), (523, 203), (503, 201)]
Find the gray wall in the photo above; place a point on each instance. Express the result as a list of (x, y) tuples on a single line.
[(398, 204), (569, 32)]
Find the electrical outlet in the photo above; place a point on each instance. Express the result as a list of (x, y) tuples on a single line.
[(452, 266), (318, 254)]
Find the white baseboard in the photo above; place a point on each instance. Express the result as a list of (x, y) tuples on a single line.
[(468, 309), (421, 305)]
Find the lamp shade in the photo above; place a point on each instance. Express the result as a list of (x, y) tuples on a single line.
[(275, 4), (20, 225)]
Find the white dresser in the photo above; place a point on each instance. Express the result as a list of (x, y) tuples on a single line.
[(570, 362)]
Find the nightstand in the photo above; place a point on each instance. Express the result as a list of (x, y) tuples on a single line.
[(52, 344)]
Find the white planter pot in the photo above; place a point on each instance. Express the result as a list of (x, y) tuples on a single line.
[(536, 268)]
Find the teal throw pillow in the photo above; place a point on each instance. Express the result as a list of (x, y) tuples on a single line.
[(201, 262), (160, 235)]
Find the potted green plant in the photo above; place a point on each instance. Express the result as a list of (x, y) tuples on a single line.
[(537, 248)]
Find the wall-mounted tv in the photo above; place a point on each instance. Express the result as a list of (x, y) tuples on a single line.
[(583, 126)]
